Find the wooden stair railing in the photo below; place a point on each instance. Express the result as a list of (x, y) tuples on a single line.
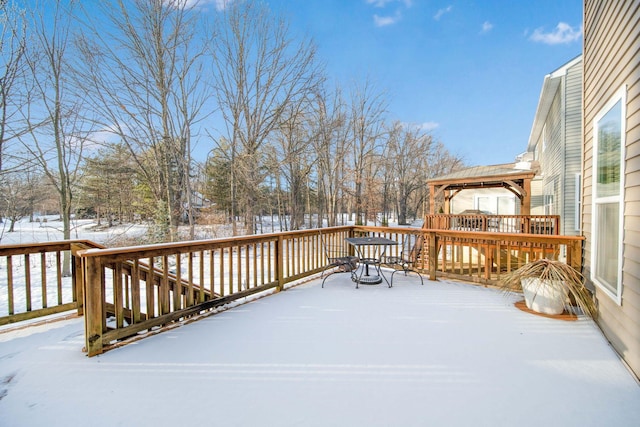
[(156, 277)]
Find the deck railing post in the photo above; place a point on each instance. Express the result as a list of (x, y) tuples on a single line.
[(574, 254), (94, 315), (433, 254), (78, 279), (280, 263)]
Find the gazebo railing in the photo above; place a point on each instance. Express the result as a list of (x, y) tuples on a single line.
[(527, 224)]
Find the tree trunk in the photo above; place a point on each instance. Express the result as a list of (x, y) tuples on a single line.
[(66, 231)]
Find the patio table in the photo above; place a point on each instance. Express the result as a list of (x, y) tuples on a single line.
[(377, 246)]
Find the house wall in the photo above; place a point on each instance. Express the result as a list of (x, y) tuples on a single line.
[(558, 147), (611, 60), (537, 200), (466, 199), (552, 156), (572, 150), (559, 150)]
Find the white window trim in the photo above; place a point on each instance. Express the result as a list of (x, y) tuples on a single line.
[(548, 198), (577, 216), (620, 96)]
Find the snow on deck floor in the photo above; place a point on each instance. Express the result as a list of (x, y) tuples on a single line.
[(442, 354)]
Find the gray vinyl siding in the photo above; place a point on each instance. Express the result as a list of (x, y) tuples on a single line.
[(537, 204), (562, 157), (612, 60), (552, 161), (573, 148)]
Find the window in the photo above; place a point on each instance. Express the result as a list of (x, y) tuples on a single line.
[(497, 205), (608, 195), (506, 205), (484, 204)]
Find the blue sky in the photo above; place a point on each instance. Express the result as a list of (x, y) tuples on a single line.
[(471, 71)]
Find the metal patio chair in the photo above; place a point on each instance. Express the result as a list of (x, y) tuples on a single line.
[(338, 259), (412, 245)]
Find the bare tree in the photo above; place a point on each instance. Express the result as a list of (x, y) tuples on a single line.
[(144, 75), (20, 191), (58, 133), (276, 203), (373, 200), (15, 88), (440, 161), (259, 72), (367, 129), (294, 141), (332, 149), (14, 205), (408, 152)]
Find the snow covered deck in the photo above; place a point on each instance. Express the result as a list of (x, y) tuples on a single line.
[(442, 354)]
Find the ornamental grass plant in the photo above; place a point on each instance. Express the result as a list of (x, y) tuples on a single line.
[(554, 273)]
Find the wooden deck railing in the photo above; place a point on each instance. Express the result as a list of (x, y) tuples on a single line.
[(34, 279), (127, 291), (481, 257), (123, 298), (530, 224), (486, 257)]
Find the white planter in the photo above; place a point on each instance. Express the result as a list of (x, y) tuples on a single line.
[(544, 296)]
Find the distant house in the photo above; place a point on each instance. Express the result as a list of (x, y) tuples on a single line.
[(199, 204), (611, 173), (556, 144)]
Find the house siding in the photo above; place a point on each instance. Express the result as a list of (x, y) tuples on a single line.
[(612, 60), (561, 157), (573, 148), (552, 161), (537, 202)]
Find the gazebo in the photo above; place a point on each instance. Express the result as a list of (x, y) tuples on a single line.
[(515, 177)]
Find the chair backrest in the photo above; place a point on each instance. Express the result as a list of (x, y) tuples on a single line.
[(412, 246), (332, 251)]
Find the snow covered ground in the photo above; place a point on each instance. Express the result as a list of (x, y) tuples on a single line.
[(49, 229), (442, 354)]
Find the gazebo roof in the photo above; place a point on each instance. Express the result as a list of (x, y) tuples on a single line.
[(515, 177), (483, 176)]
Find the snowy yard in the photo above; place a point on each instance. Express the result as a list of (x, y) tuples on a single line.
[(51, 230), (442, 354)]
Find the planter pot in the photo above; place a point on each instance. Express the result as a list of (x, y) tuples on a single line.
[(544, 296)]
